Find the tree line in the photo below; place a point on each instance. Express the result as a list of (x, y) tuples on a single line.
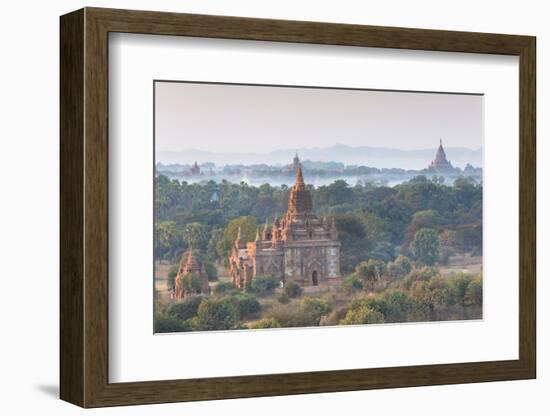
[(424, 219)]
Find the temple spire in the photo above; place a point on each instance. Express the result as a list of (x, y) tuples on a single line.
[(299, 175), (191, 263), (299, 200), (238, 243), (441, 163)]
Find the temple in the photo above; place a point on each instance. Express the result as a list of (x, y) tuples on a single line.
[(298, 247), (190, 266), (195, 169), (295, 162), (440, 163)]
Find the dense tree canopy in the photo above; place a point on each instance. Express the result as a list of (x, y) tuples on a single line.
[(373, 222)]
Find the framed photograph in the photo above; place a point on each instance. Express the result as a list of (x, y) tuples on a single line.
[(255, 207)]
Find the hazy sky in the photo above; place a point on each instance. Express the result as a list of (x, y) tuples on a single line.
[(217, 117)]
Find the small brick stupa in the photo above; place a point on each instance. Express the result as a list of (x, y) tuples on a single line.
[(190, 265)]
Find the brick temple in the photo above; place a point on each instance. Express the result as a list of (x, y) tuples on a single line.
[(299, 247)]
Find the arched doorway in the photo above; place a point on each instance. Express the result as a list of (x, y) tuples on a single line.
[(314, 280)]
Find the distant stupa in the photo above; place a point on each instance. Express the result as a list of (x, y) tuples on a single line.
[(440, 163), (195, 169), (295, 163)]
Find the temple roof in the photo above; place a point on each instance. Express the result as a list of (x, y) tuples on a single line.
[(299, 200), (440, 161), (191, 262), (440, 156)]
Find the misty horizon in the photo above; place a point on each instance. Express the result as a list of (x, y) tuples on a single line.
[(259, 119), (191, 149), (378, 157)]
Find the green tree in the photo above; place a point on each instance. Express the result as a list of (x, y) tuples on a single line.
[(317, 307), (263, 285), (248, 227), (362, 315), (292, 289), (283, 298), (167, 323), (216, 314), (400, 267), (370, 272), (186, 308), (223, 288), (195, 235), (191, 284), (433, 294), (171, 281), (216, 237), (352, 284), (374, 227), (429, 218), (245, 305), (211, 271), (265, 323), (459, 284), (354, 240), (167, 239), (425, 246), (399, 306), (474, 293)]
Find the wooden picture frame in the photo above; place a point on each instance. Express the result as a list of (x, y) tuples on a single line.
[(84, 207)]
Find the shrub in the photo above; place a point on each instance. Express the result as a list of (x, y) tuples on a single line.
[(283, 298), (215, 314), (186, 308), (265, 323), (370, 271), (397, 306), (223, 288), (352, 284), (245, 304), (401, 266), (264, 284), (316, 307), (211, 271), (166, 323), (362, 315), (293, 289), (285, 314), (334, 317), (171, 281), (293, 315), (423, 274), (383, 251), (191, 284), (474, 293), (432, 294), (459, 285)]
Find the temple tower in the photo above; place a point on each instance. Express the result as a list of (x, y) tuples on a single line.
[(440, 163), (299, 200), (190, 266)]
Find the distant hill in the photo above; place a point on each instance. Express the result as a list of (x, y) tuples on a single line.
[(379, 157)]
